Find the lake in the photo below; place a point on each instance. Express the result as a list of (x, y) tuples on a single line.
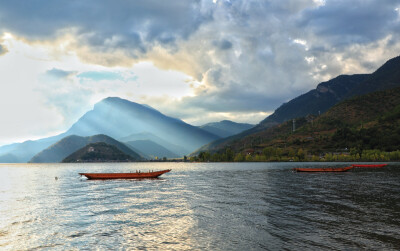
[(199, 206)]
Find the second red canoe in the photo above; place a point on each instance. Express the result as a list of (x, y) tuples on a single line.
[(326, 169), (369, 165)]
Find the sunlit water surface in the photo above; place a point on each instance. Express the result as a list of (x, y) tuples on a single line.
[(200, 206)]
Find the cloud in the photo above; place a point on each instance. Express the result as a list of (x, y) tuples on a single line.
[(3, 47), (342, 23), (223, 44), (214, 58), (105, 25), (3, 50), (59, 74)]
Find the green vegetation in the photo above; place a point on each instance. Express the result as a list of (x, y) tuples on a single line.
[(271, 154)]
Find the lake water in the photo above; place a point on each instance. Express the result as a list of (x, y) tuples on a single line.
[(199, 206)]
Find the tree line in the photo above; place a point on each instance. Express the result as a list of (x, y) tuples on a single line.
[(276, 154)]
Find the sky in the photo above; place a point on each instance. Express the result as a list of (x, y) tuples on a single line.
[(200, 61)]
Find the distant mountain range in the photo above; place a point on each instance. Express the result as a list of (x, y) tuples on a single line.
[(23, 152), (148, 131), (319, 100), (225, 128)]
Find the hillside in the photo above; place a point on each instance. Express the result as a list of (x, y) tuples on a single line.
[(61, 149), (225, 128), (98, 152), (371, 121)]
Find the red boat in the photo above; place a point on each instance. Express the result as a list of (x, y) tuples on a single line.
[(326, 169), (137, 175), (370, 165)]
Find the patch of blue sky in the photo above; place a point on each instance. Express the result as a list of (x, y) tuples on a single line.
[(105, 75)]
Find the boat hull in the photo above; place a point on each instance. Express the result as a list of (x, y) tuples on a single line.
[(106, 176), (369, 165), (327, 169)]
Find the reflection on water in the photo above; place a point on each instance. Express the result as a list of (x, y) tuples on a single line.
[(238, 206)]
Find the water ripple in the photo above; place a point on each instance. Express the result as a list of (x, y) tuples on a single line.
[(205, 206)]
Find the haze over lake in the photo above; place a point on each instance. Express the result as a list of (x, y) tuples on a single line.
[(199, 206)]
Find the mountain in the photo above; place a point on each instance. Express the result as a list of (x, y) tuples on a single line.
[(386, 77), (162, 142), (319, 100), (333, 91), (225, 128), (99, 152), (118, 118), (316, 101), (61, 149), (152, 149)]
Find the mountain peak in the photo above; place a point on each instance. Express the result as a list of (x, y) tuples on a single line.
[(117, 102), (112, 100)]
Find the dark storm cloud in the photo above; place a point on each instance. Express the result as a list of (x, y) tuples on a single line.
[(234, 100), (131, 24), (346, 22), (223, 45)]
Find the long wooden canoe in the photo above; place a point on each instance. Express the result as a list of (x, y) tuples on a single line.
[(369, 165), (325, 169), (136, 175)]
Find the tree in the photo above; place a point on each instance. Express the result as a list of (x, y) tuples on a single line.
[(239, 157), (204, 156), (301, 154), (249, 157), (229, 154)]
